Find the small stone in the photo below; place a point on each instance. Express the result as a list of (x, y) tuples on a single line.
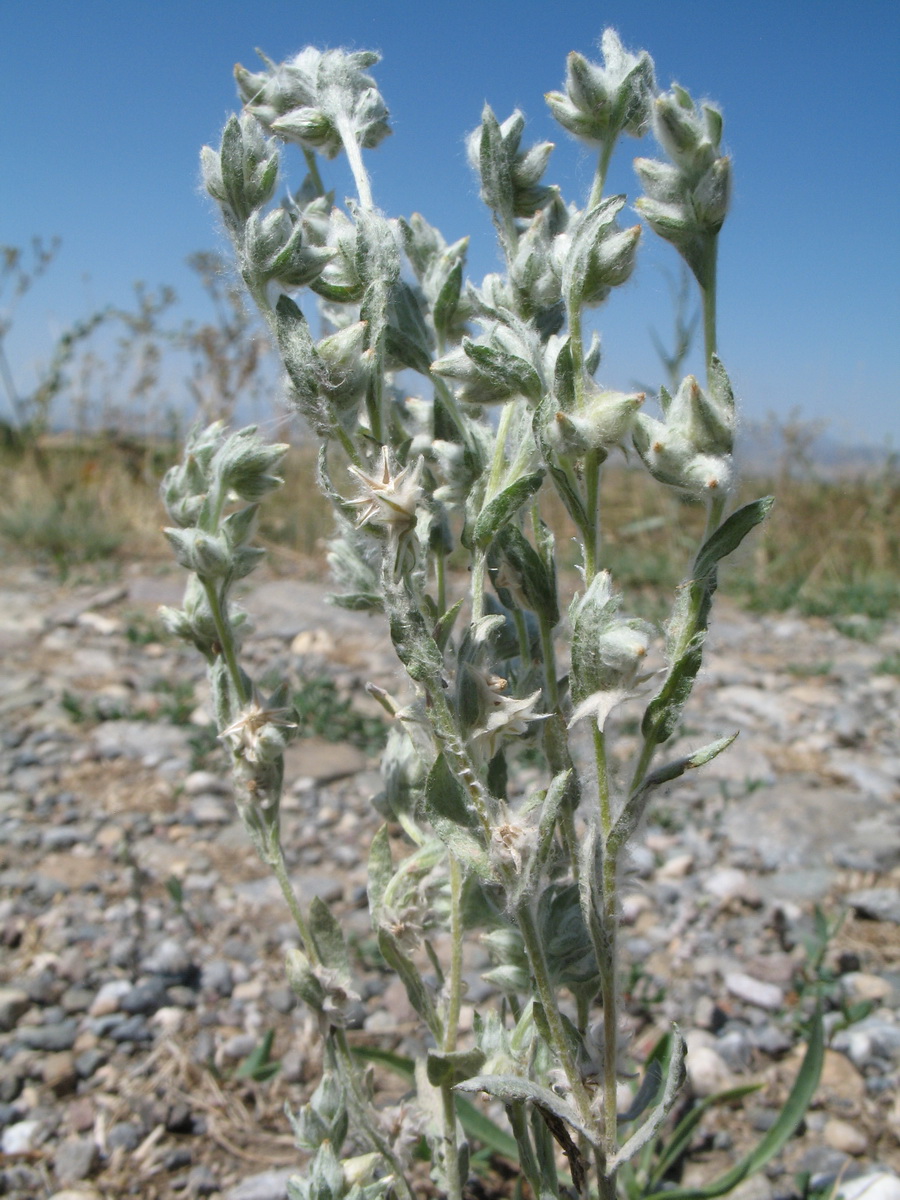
[(126, 1134), (211, 810), (238, 1046), (878, 904), (676, 867), (754, 991), (283, 1000), (21, 1137), (841, 1135), (859, 985), (132, 1029), (109, 997), (731, 883), (199, 783), (878, 1185), (75, 1194), (250, 989), (268, 1185), (89, 1062), (840, 1080), (179, 1119), (201, 1182), (171, 962), (707, 1070), (59, 1035), (60, 1073), (13, 1003), (144, 998), (217, 977), (75, 1159), (80, 1115)]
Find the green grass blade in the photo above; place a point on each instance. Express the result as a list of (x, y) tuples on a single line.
[(790, 1117)]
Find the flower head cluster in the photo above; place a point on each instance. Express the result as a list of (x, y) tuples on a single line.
[(686, 200), (309, 97), (599, 103), (692, 448)]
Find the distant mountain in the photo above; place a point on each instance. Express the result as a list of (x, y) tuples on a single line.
[(764, 446)]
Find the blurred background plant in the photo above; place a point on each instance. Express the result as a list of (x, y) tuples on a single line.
[(83, 450)]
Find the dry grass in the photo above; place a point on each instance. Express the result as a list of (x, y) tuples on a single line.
[(830, 546)]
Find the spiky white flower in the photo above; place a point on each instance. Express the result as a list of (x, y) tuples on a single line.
[(389, 499)]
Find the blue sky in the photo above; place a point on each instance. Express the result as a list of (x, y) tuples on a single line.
[(107, 102)]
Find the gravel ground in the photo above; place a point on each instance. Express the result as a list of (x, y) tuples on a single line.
[(142, 942)]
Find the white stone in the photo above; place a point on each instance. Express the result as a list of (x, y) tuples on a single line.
[(880, 1185), (20, 1138), (108, 996), (706, 1069), (754, 991)]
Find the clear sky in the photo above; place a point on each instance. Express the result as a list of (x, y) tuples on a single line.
[(106, 103)]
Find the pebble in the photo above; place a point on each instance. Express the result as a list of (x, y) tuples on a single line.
[(841, 1135), (60, 1073), (877, 1185), (268, 1185), (13, 1004), (171, 961), (125, 1134), (879, 903), (75, 1159), (58, 1035), (21, 1137), (754, 991), (707, 1070)]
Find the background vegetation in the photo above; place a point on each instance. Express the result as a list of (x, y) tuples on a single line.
[(82, 453)]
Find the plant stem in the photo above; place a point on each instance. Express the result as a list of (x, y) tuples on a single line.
[(609, 971), (600, 174), (313, 168), (451, 1145), (538, 962), (354, 157), (602, 781), (592, 536), (226, 641), (279, 867), (708, 291), (454, 1003)]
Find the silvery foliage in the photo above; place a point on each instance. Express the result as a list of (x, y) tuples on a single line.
[(509, 410)]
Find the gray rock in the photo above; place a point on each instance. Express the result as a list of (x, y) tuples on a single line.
[(13, 1004), (127, 1134), (59, 1036), (75, 1159), (878, 903), (268, 1185), (166, 747), (132, 1029), (145, 998), (201, 1182), (171, 961), (217, 976), (211, 810), (201, 783), (754, 991), (88, 1062)]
